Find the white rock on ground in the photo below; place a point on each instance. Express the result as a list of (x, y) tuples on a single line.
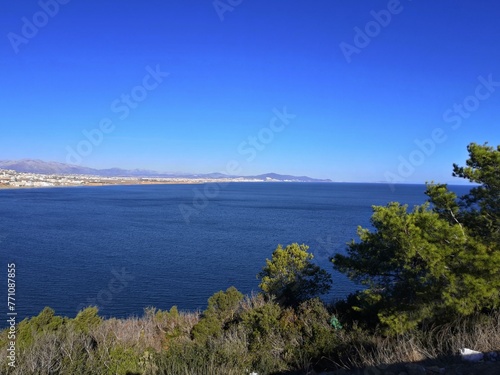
[(470, 355)]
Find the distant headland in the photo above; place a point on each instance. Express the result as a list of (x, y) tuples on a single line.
[(38, 173)]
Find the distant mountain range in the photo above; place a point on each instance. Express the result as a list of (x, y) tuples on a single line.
[(43, 167)]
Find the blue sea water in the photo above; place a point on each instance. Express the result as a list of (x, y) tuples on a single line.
[(125, 248)]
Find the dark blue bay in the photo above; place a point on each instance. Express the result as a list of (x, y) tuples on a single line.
[(69, 243)]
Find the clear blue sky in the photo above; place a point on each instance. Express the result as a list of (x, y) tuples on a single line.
[(357, 113)]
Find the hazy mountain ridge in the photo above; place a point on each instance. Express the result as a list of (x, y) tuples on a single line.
[(43, 167)]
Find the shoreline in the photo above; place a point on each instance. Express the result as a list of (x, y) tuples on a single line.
[(11, 179), (139, 183), (131, 183)]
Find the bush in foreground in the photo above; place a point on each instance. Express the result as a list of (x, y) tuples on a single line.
[(438, 262)]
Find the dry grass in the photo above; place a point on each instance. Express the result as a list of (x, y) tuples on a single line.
[(151, 331), (252, 302), (480, 333)]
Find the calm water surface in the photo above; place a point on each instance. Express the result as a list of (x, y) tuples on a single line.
[(128, 247)]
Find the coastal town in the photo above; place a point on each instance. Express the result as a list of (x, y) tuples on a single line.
[(13, 179)]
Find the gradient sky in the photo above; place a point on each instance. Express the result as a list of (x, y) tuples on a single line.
[(231, 68)]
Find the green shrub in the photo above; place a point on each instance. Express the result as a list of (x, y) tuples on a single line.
[(291, 276), (318, 336), (222, 307), (87, 319), (123, 361), (207, 327)]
